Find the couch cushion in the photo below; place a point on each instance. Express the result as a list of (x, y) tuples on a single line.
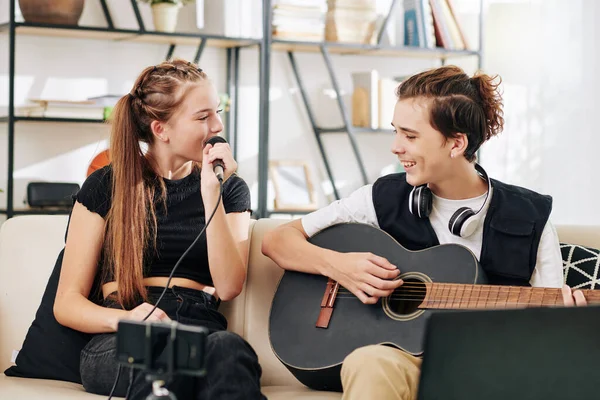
[(581, 265), (579, 246), (29, 246), (29, 389), (233, 310), (583, 235), (50, 350), (263, 277), (297, 393)]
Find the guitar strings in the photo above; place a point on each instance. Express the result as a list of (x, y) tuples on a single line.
[(475, 286), (416, 292), (464, 294), (479, 294), (469, 301), (477, 289), (456, 294), (556, 301)]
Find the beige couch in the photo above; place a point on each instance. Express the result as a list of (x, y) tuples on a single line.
[(29, 246), (28, 249)]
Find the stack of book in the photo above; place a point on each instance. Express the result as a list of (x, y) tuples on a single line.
[(448, 32), (432, 23), (96, 108), (302, 20), (351, 21)]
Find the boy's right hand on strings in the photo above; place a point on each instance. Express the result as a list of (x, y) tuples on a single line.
[(140, 312), (366, 275)]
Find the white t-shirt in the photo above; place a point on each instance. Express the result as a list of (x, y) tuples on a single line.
[(358, 207)]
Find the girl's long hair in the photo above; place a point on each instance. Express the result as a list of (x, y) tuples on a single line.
[(131, 220)]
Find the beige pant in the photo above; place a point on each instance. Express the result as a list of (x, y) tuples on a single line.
[(380, 372)]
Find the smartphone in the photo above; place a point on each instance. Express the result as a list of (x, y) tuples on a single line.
[(162, 347)]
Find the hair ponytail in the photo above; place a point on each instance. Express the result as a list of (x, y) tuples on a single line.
[(127, 228), (491, 101), (131, 221)]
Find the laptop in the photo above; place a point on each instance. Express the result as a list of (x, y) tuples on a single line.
[(529, 354)]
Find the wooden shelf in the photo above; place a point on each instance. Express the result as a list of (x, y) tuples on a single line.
[(369, 50), (192, 39), (36, 211), (56, 120), (75, 32), (101, 33), (356, 129)]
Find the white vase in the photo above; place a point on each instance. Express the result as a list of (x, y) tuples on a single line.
[(165, 16)]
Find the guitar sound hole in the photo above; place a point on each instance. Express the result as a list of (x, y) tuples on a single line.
[(406, 299)]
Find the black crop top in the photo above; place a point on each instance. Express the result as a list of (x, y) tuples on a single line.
[(178, 228)]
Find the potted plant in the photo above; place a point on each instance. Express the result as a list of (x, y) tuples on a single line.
[(164, 13)]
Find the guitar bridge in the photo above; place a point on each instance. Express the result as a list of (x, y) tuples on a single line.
[(327, 303)]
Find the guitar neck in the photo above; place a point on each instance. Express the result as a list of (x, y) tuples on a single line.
[(460, 296)]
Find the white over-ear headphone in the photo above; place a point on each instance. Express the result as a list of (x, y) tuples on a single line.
[(464, 220)]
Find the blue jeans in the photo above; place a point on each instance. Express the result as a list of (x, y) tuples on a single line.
[(232, 366)]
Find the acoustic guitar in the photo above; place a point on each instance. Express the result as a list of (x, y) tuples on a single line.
[(315, 323)]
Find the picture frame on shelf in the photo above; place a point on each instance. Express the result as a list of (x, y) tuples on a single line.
[(293, 186)]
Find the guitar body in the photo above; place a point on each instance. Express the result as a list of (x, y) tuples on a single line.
[(314, 355)]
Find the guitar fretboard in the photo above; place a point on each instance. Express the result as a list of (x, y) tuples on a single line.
[(459, 296)]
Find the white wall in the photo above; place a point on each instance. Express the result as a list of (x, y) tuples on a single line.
[(543, 50), (548, 60)]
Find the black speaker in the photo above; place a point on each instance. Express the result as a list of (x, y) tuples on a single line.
[(51, 194)]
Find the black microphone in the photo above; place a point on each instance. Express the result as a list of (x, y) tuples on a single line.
[(217, 164)]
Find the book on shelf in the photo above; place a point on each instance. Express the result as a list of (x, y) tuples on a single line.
[(233, 18), (351, 21), (299, 20), (418, 24), (107, 100), (357, 4), (365, 96), (450, 26), (461, 33), (432, 23), (46, 108)]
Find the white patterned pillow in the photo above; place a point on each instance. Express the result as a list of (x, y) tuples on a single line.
[(580, 266)]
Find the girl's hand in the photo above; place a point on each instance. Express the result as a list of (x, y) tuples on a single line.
[(140, 312), (209, 184)]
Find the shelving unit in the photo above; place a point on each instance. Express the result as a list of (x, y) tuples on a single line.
[(368, 50), (126, 35), (363, 50), (231, 44), (48, 119)]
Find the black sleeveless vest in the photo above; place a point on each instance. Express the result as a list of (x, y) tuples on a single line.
[(512, 228)]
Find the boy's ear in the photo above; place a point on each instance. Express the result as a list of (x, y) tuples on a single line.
[(459, 145)]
